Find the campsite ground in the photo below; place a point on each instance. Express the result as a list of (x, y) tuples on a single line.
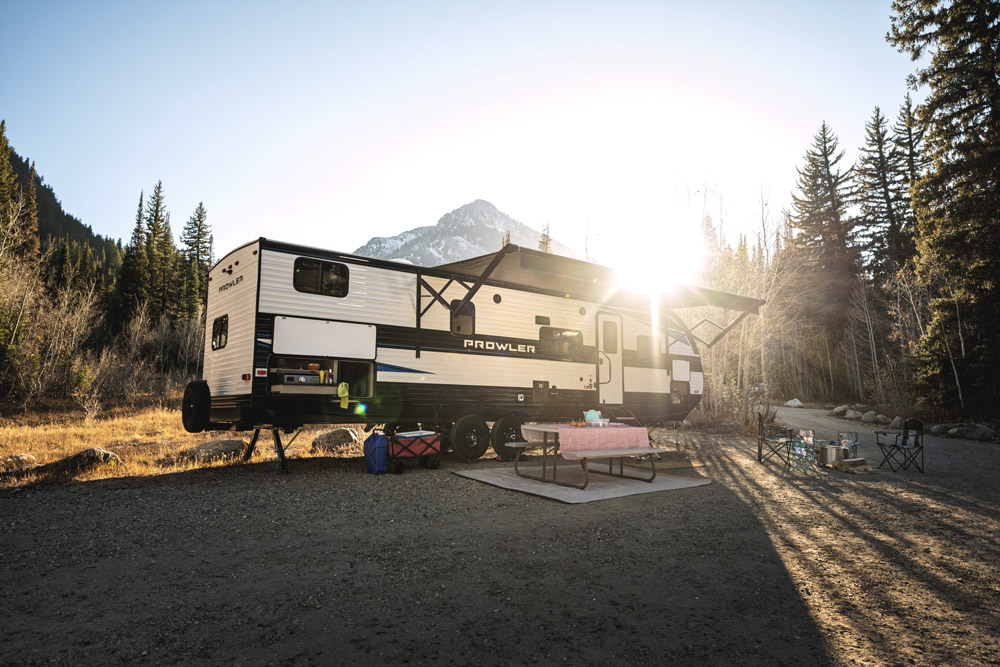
[(328, 565)]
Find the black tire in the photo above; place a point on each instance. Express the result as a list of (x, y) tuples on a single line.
[(433, 461), (470, 437), (506, 429), (195, 406)]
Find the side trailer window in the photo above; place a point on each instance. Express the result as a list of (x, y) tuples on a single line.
[(650, 348), (220, 332), (559, 342), (315, 277), (464, 323)]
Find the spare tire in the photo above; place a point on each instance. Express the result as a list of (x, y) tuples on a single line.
[(195, 406)]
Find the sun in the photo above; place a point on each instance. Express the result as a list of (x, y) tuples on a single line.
[(663, 259)]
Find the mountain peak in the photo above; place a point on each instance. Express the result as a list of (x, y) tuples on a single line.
[(475, 229)]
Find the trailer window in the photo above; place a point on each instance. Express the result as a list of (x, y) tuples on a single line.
[(464, 323), (315, 277), (649, 347), (220, 332), (559, 342)]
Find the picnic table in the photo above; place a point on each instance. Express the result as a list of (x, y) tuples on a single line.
[(614, 441)]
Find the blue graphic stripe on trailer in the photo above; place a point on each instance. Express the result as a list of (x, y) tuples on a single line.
[(389, 368)]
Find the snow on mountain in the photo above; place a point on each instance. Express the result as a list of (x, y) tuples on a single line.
[(470, 231)]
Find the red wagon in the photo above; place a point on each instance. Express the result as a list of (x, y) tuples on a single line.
[(424, 446)]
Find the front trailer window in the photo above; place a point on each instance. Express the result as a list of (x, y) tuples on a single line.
[(313, 276)]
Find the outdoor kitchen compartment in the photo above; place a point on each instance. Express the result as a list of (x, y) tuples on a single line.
[(319, 377)]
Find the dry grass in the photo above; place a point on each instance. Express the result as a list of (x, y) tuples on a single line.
[(148, 439)]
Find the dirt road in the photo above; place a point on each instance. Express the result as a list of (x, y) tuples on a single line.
[(329, 565)]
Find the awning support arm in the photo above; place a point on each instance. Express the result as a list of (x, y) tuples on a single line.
[(499, 257)]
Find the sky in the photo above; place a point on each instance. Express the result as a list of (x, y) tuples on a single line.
[(619, 124)]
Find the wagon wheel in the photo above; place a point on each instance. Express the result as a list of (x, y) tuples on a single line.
[(470, 437)]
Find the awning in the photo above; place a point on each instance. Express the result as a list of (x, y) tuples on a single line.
[(591, 282)]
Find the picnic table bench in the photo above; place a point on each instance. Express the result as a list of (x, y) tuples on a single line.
[(583, 444)]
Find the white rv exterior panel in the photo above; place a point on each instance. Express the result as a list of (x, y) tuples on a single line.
[(482, 370), (697, 383), (681, 370), (233, 294), (323, 338), (374, 295), (680, 346), (647, 380)]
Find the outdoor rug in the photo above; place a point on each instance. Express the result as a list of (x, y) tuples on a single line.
[(601, 487)]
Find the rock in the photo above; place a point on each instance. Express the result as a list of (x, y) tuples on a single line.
[(852, 414), (17, 462), (897, 423), (937, 429), (839, 411), (955, 432), (214, 450), (975, 432), (869, 417), (686, 425), (860, 406), (335, 439), (854, 466), (882, 419), (794, 403), (88, 459)]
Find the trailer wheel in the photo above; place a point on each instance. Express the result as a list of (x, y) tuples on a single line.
[(470, 437), (506, 429), (195, 406)]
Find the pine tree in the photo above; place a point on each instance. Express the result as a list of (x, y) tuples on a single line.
[(198, 241), (545, 242), (824, 230), (130, 288), (957, 201), (8, 180), (908, 135), (159, 253), (30, 214), (881, 193)]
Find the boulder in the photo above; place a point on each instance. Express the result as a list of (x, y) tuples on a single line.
[(214, 450), (794, 403), (937, 429), (957, 432), (839, 411), (860, 406), (869, 417), (336, 439), (852, 414), (88, 459), (897, 423), (976, 432), (882, 419), (18, 462)]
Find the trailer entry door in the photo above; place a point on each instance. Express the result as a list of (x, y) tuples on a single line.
[(610, 373)]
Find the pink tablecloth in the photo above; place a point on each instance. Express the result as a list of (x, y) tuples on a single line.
[(577, 439)]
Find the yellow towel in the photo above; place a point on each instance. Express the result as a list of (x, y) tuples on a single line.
[(342, 392)]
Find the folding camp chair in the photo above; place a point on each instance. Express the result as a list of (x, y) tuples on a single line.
[(849, 443), (803, 453), (907, 444), (775, 438)]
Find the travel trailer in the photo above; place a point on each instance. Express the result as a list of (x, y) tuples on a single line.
[(299, 335)]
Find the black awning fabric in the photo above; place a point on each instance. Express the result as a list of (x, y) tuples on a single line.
[(540, 270)]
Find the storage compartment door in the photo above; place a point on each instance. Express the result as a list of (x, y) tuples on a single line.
[(323, 338)]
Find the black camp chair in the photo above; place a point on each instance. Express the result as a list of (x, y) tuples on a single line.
[(906, 446), (774, 438)]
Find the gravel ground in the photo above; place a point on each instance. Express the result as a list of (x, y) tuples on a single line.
[(328, 565)]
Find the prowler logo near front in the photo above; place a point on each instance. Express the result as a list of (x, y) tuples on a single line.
[(492, 345)]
